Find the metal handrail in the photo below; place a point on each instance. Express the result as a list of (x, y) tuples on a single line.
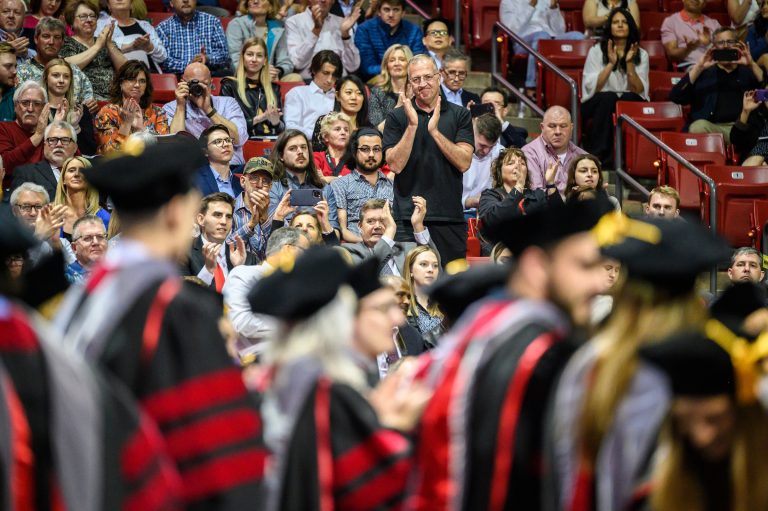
[(500, 27), (622, 174), (457, 24), (421, 12)]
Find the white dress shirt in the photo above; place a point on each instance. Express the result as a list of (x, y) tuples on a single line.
[(303, 44), (523, 19), (253, 327), (205, 275), (304, 104), (451, 96), (478, 176)]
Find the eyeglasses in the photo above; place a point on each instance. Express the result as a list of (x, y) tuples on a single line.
[(54, 141), (416, 80), (437, 32), (258, 180), (86, 17), (92, 238), (456, 74), (220, 142), (26, 103), (729, 42), (365, 149), (27, 208)]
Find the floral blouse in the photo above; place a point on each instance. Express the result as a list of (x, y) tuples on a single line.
[(99, 70), (108, 137)]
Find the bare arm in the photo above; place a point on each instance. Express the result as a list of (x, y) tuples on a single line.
[(459, 154), (737, 11)]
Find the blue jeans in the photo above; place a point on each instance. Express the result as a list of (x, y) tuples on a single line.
[(533, 40)]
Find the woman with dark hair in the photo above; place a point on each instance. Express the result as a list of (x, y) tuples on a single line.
[(131, 109), (39, 9), (511, 194), (584, 174), (756, 37), (351, 99), (595, 14), (616, 69)]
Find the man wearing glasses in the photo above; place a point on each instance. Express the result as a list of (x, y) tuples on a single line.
[(437, 38), (217, 144), (89, 239), (715, 85), (30, 204), (428, 143), (59, 144), (455, 69), (251, 219), (21, 141)]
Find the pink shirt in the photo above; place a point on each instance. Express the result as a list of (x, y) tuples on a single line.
[(540, 155), (681, 28)]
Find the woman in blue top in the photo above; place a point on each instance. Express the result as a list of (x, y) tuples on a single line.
[(80, 197)]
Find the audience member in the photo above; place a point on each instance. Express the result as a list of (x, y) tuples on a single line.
[(58, 85), (135, 36), (408, 338), (315, 30), (257, 21), (376, 35), (30, 204), (365, 182), (534, 20), (334, 134), (663, 202), (314, 225), (585, 173), (743, 14), (377, 233), (511, 136), (603, 303), (49, 38), (211, 256), (130, 109), (216, 176), (438, 38), (487, 130), (552, 148), (60, 144), (615, 70), (746, 265), (392, 81), (98, 57), (252, 88), (39, 9), (510, 193), (756, 36), (501, 254), (401, 289), (7, 81), (192, 36), (303, 105), (455, 67), (352, 100), (251, 219), (428, 144), (285, 243), (89, 239), (749, 131), (21, 140), (421, 268), (595, 14), (687, 35), (77, 196), (12, 30), (715, 89), (196, 108)]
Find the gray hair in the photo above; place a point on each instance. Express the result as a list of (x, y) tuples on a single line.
[(419, 58), (20, 2), (283, 237), (64, 125), (86, 219), (51, 25), (29, 187), (454, 55), (29, 84), (746, 251)]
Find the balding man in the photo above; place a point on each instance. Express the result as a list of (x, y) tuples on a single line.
[(12, 29), (553, 147), (196, 109)]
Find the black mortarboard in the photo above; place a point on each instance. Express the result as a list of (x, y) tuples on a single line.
[(143, 177), (298, 290), (44, 280), (546, 226), (737, 302), (696, 365), (667, 253), (15, 238), (364, 278), (455, 293)]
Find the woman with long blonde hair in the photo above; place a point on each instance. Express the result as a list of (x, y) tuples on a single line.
[(393, 79), (421, 268), (80, 198), (58, 82)]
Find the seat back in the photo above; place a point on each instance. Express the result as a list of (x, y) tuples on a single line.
[(254, 148), (650, 25), (712, 6), (225, 22), (164, 86), (156, 17), (660, 84), (700, 149), (574, 21), (657, 56), (570, 57), (648, 5), (656, 117), (285, 87), (216, 85), (478, 18)]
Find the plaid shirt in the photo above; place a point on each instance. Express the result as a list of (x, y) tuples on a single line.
[(352, 191), (255, 239), (184, 40)]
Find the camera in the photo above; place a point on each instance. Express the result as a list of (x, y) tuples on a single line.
[(195, 88)]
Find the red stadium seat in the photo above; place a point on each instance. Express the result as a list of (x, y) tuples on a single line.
[(477, 20), (571, 5), (165, 87), (574, 21), (661, 83), (225, 21), (700, 149), (285, 87), (656, 117), (650, 24), (722, 17), (569, 56), (156, 17), (648, 5), (155, 6), (473, 247), (254, 148), (742, 200), (657, 55), (216, 85)]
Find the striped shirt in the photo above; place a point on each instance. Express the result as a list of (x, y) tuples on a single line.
[(255, 239), (183, 41), (353, 190)]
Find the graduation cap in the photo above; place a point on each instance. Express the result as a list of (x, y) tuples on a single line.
[(455, 293), (737, 302), (15, 238), (143, 177), (696, 365), (296, 291), (44, 281), (546, 226), (668, 254), (364, 278)]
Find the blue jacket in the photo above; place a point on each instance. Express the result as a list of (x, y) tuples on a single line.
[(757, 43), (372, 39), (206, 183)]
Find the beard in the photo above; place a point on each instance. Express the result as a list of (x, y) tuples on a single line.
[(368, 167)]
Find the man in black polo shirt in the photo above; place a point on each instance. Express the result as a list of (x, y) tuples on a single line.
[(428, 143)]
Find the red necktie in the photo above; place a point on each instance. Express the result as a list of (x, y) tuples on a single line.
[(218, 277)]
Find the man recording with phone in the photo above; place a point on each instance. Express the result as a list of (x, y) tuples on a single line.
[(714, 86)]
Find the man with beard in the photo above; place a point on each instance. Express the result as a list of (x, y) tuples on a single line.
[(7, 80), (495, 369), (60, 144), (89, 238), (365, 182)]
